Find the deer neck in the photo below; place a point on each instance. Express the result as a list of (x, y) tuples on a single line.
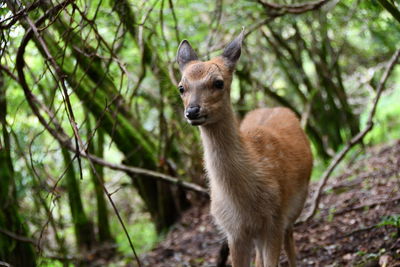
[(226, 158)]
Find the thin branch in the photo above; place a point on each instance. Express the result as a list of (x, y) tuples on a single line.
[(136, 170), (17, 15), (391, 8), (307, 110), (19, 237), (369, 205), (355, 140), (252, 28), (3, 263), (9, 72), (368, 228), (217, 19), (276, 10), (171, 6)]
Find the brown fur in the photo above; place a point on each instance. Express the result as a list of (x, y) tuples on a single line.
[(259, 170)]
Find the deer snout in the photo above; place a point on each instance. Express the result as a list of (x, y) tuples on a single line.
[(193, 112)]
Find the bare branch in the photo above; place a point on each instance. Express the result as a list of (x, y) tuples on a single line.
[(9, 72), (276, 10), (355, 140), (369, 205), (19, 237), (17, 14), (171, 6)]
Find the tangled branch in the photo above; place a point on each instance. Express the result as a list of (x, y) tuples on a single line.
[(63, 138), (20, 63)]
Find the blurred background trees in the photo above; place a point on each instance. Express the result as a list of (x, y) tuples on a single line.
[(100, 77)]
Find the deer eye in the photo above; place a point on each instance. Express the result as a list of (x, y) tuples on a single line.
[(219, 84), (181, 89)]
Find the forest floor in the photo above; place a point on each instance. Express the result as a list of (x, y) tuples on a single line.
[(358, 223)]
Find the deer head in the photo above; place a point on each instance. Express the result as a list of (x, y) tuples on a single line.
[(205, 86)]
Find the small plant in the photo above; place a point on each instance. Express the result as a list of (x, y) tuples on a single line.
[(331, 214), (391, 220), (368, 257)]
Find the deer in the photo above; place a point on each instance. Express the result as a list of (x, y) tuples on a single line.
[(258, 170)]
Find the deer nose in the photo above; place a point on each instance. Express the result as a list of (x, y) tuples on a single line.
[(192, 112)]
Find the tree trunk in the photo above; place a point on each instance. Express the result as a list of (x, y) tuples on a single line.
[(83, 227), (14, 250), (96, 148)]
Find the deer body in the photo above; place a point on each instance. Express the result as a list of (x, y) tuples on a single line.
[(259, 170)]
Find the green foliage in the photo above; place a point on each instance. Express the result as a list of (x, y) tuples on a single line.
[(392, 220), (331, 214), (367, 256), (143, 234), (44, 262), (386, 121)]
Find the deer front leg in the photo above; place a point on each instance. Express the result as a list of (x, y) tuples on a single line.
[(240, 249)]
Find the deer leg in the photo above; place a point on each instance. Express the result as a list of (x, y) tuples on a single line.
[(240, 249), (259, 253), (272, 248), (289, 247)]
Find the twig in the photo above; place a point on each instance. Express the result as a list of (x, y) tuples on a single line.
[(217, 19), (307, 110), (359, 231), (3, 263), (373, 204), (19, 237), (355, 140), (9, 72), (17, 14), (171, 6), (136, 170), (276, 10), (64, 259), (252, 28)]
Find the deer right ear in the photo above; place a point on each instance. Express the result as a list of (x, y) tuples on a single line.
[(185, 54), (233, 50)]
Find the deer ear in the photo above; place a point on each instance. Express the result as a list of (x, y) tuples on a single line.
[(185, 54), (233, 50)]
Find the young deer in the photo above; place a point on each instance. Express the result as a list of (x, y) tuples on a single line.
[(259, 172)]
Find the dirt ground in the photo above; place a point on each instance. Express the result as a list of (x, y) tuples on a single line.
[(358, 223)]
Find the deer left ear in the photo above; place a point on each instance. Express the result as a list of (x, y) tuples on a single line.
[(185, 54), (233, 50)]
